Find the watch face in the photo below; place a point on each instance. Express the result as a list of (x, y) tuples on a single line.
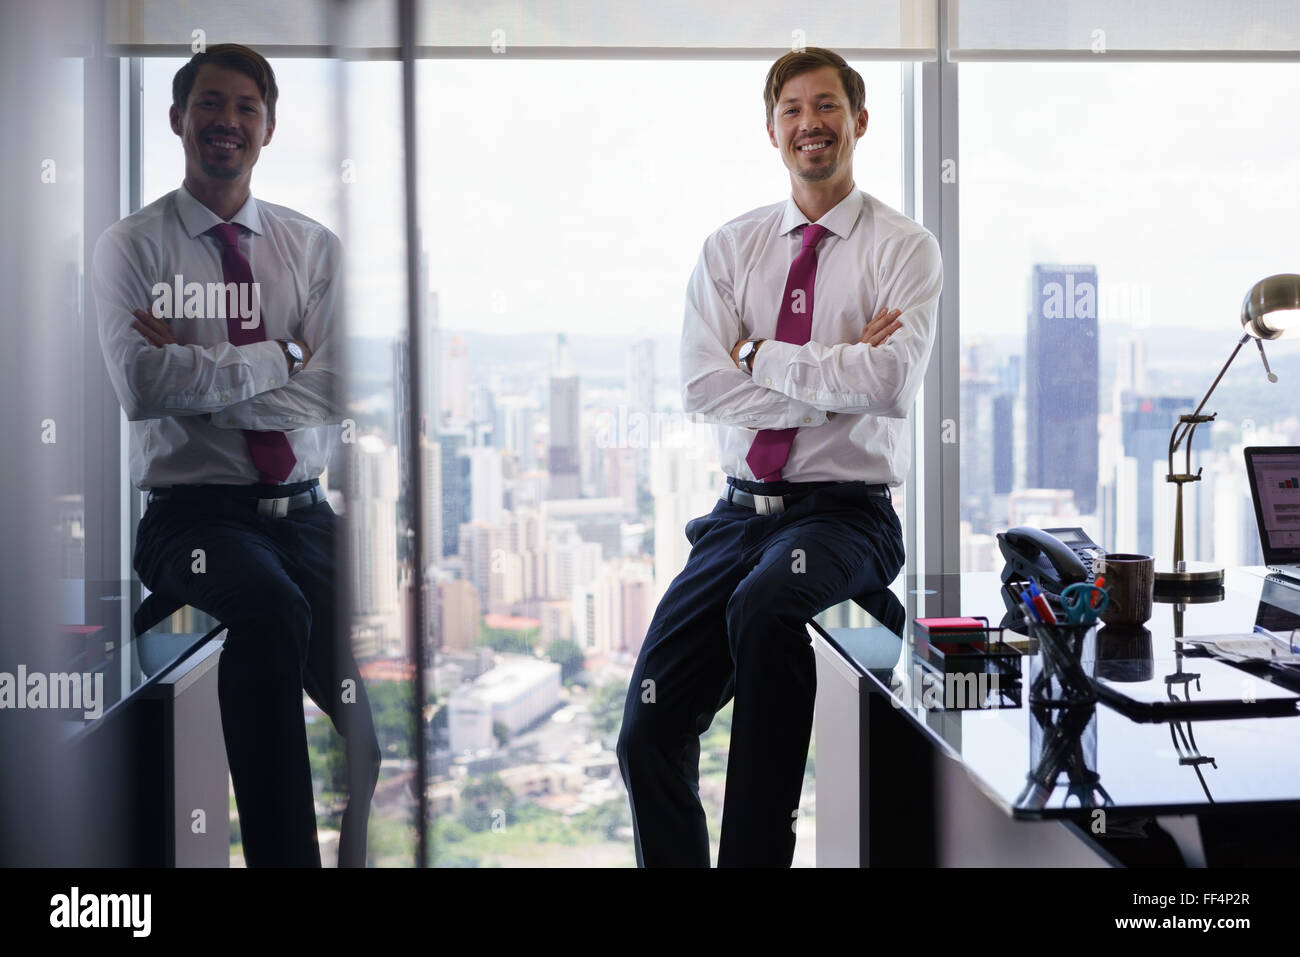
[(294, 350)]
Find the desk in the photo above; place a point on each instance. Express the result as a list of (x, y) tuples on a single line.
[(899, 783), (155, 757)]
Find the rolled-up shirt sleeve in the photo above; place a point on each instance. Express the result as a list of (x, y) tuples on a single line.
[(155, 382), (312, 396), (713, 389), (858, 378)]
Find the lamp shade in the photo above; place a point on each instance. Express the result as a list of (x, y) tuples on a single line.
[(1272, 306)]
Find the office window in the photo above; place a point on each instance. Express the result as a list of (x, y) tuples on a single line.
[(1113, 217), (344, 170), (563, 206)]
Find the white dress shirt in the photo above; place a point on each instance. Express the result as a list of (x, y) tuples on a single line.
[(188, 402), (873, 257)]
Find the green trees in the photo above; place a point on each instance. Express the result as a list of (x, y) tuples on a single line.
[(486, 802), (568, 656), (606, 709)]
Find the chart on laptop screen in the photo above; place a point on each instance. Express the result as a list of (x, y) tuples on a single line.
[(1277, 478)]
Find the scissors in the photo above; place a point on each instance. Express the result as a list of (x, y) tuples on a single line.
[(1084, 602)]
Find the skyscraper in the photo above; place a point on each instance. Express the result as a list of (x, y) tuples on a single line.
[(1004, 443), (455, 388), (477, 542), (978, 388), (430, 367), (641, 401), (1147, 422), (641, 375), (515, 418), (371, 483), (684, 480), (1004, 433), (1062, 384), (401, 409), (455, 489), (431, 463), (459, 614), (486, 486), (564, 456)]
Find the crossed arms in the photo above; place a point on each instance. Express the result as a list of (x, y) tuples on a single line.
[(238, 387), (801, 386)]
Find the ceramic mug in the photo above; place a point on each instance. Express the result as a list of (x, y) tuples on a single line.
[(1131, 581)]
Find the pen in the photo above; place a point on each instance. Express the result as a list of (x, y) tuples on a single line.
[(1096, 596), (1031, 613), (1045, 612)]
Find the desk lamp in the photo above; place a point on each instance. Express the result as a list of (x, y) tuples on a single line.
[(1268, 312)]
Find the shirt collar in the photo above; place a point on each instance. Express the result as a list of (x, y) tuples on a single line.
[(840, 220), (198, 219)]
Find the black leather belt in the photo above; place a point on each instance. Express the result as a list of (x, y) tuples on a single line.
[(261, 497), (776, 504)]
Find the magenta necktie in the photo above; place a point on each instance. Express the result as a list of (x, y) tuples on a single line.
[(272, 455), (771, 447)]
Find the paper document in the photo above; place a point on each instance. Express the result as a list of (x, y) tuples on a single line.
[(1247, 648)]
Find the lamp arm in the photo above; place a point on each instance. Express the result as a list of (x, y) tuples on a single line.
[(1181, 430)]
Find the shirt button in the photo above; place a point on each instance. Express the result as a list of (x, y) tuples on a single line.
[(807, 418), (767, 381)]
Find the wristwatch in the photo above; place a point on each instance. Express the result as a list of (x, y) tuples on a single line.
[(293, 353), (745, 358)]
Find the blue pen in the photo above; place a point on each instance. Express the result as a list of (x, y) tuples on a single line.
[(1045, 614), (1031, 613)]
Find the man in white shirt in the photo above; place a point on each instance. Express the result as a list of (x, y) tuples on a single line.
[(807, 331), (218, 317)]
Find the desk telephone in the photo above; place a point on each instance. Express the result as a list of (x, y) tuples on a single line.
[(1053, 557)]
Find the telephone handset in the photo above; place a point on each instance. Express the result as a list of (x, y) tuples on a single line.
[(1053, 557)]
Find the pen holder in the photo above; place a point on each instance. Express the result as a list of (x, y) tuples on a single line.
[(1063, 744), (1059, 674)]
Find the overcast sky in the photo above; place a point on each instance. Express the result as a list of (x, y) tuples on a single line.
[(574, 196)]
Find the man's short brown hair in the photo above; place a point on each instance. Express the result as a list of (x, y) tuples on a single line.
[(806, 60), (234, 56)]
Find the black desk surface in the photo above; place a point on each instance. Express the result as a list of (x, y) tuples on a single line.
[(125, 663), (1169, 767)]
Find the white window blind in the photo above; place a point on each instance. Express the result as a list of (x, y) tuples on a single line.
[(896, 29), (1124, 29)]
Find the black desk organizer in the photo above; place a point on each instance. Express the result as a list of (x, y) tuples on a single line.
[(996, 657)]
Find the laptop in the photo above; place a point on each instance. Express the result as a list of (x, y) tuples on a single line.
[(1274, 473)]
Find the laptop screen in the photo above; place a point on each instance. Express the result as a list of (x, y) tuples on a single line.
[(1275, 487), (1279, 609)]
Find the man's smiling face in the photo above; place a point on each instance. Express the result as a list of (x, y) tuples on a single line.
[(224, 126), (814, 128)]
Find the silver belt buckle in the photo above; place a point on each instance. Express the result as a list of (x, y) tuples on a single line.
[(769, 504), (273, 507)]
